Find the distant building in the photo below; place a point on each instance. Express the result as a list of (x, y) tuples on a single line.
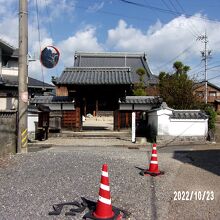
[(9, 79), (213, 94), (98, 80)]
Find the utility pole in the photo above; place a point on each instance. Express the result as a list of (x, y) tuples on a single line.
[(22, 77), (205, 55)]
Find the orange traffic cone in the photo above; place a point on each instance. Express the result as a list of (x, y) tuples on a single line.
[(104, 209), (104, 206), (153, 168)]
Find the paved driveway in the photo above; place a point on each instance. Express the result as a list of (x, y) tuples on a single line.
[(31, 183)]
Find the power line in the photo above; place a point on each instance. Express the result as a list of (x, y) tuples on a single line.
[(196, 66), (116, 14), (172, 4), (213, 67), (173, 59), (217, 61), (178, 3), (190, 30), (50, 26), (164, 2), (39, 38), (148, 6), (202, 71), (194, 28), (214, 77), (166, 10)]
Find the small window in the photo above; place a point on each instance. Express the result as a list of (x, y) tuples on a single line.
[(199, 94), (212, 93)]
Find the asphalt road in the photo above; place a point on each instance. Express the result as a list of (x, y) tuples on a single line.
[(30, 184)]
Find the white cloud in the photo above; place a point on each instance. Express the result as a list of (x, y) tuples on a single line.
[(154, 28), (10, 35), (5, 5), (164, 42), (53, 9), (96, 6), (161, 42), (83, 40)]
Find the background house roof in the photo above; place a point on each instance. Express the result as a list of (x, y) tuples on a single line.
[(202, 84), (96, 76), (12, 80), (116, 59), (7, 48), (15, 53)]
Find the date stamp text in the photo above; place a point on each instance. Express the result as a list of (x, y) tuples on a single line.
[(193, 195)]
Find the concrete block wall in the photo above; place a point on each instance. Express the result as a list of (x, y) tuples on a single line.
[(217, 130), (177, 140), (8, 132)]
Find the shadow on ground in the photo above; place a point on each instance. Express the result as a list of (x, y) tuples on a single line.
[(95, 128), (80, 207), (205, 159)]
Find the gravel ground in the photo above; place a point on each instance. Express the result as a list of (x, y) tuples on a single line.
[(31, 183)]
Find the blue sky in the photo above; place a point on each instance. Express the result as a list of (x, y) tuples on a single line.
[(166, 30)]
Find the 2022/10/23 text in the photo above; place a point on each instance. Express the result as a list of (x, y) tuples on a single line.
[(193, 195)]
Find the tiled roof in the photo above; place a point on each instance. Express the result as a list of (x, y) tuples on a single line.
[(202, 84), (132, 60), (142, 100), (188, 114), (51, 99), (37, 109), (96, 76), (15, 53), (6, 47), (33, 109), (12, 80)]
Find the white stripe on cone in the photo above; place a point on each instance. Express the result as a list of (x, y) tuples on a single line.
[(105, 174), (104, 187), (104, 200), (153, 162), (154, 148), (154, 155)]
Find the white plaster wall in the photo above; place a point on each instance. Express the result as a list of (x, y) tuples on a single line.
[(2, 103), (8, 103), (163, 125), (159, 120), (188, 127), (31, 119), (10, 71)]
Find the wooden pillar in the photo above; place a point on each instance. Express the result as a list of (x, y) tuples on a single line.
[(78, 124), (119, 120), (126, 119), (84, 107), (96, 107), (78, 119), (115, 120)]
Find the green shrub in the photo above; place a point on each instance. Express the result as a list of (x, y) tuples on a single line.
[(209, 110)]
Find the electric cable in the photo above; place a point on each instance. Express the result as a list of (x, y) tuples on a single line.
[(39, 39)]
